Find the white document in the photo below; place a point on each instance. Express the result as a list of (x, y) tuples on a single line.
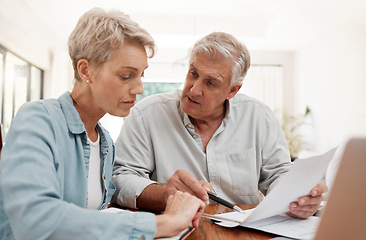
[(287, 226), (304, 175), (283, 224), (112, 210)]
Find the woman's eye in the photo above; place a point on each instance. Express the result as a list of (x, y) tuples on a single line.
[(125, 77)]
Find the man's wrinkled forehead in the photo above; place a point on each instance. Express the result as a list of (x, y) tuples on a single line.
[(212, 56)]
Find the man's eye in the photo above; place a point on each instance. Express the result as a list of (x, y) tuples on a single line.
[(210, 83), (193, 74)]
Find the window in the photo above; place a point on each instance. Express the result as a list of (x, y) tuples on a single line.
[(20, 82), (151, 86), (157, 87), (265, 82)]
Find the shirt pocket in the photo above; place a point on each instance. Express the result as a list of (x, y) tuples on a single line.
[(242, 167)]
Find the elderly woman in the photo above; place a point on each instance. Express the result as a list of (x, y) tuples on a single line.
[(56, 167)]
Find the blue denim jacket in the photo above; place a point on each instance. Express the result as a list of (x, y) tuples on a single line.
[(44, 175)]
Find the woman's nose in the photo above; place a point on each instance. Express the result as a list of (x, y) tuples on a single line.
[(138, 88)]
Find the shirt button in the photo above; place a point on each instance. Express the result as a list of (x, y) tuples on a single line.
[(194, 136), (190, 125), (104, 177), (210, 160)]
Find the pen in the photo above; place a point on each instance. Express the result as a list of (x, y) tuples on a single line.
[(224, 202), (215, 218), (186, 233)]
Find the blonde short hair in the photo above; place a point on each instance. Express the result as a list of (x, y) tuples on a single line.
[(98, 33), (219, 44)]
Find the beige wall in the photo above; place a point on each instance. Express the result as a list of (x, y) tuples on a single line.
[(23, 33), (331, 79), (327, 74)]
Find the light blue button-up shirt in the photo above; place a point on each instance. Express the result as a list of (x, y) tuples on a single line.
[(43, 179)]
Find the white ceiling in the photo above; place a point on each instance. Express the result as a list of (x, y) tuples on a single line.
[(283, 25)]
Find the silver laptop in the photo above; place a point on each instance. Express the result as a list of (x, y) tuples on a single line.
[(344, 216)]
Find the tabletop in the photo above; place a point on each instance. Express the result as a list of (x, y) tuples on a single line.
[(209, 230)]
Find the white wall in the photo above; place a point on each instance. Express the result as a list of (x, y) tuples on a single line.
[(328, 74), (25, 34), (331, 79)]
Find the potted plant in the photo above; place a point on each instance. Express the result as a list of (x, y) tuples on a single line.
[(291, 125)]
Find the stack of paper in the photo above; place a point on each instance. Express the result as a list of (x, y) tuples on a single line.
[(269, 214)]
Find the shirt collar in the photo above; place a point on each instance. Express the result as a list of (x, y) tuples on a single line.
[(182, 114), (72, 117), (228, 106), (187, 121)]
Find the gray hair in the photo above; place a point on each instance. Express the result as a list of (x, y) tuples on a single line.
[(98, 33), (220, 44)]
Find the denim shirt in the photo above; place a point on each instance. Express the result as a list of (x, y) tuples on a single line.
[(44, 175)]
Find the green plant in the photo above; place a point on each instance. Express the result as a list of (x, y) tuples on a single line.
[(291, 125)]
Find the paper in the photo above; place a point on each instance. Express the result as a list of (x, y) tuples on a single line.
[(287, 226), (232, 219), (179, 236), (283, 225), (112, 210), (303, 176)]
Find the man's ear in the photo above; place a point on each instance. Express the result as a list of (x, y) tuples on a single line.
[(83, 68), (233, 90)]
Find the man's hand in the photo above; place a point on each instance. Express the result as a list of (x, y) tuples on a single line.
[(307, 205), (155, 196), (185, 182)]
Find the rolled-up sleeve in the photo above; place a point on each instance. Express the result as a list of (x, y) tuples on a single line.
[(134, 165)]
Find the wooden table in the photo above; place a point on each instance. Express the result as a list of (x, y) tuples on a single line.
[(209, 230)]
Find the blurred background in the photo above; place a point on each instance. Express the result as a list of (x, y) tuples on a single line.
[(308, 56)]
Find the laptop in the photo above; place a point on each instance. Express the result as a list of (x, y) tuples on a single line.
[(344, 216)]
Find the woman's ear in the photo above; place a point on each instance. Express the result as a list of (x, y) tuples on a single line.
[(83, 67)]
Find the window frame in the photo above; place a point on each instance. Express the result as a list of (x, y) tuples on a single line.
[(4, 53)]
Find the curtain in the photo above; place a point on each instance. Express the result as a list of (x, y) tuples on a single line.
[(265, 82)]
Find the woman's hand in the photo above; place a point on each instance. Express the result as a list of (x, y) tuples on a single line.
[(181, 211)]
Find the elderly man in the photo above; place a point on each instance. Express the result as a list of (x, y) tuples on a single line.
[(231, 142)]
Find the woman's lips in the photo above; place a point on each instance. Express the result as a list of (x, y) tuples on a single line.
[(130, 103)]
